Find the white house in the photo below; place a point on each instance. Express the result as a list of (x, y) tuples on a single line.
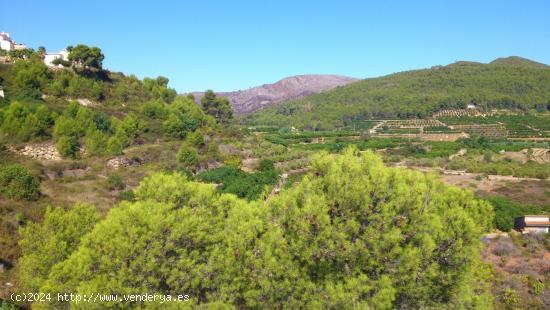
[(50, 57), (6, 43), (532, 224), (19, 46)]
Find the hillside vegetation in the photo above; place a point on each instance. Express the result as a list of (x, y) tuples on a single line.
[(512, 83), (352, 234)]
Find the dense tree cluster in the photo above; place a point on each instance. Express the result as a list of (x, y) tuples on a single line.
[(351, 234), (183, 116), (508, 83), (20, 122), (29, 78), (218, 107), (86, 58), (102, 135)]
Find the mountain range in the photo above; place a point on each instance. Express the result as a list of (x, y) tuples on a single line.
[(294, 87), (505, 83)]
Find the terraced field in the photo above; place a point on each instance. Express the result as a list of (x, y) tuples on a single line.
[(516, 126)]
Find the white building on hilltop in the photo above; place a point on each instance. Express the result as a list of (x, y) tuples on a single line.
[(6, 43), (50, 57)]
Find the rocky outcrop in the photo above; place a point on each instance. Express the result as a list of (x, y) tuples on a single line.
[(44, 151), (255, 98), (122, 161)]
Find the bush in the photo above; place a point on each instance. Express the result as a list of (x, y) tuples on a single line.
[(127, 195), (503, 247), (154, 109), (16, 182), (114, 146), (96, 143), (187, 156), (68, 146), (115, 182)]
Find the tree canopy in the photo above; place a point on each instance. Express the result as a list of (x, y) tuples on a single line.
[(351, 234), (84, 57), (218, 107)]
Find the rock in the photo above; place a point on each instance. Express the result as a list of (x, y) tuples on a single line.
[(122, 161), (44, 151), (252, 99)]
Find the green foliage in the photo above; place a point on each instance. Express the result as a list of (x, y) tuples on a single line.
[(154, 109), (24, 122), (114, 146), (357, 233), (245, 185), (184, 117), (506, 211), (188, 156), (159, 88), (506, 166), (537, 287), (195, 138), (84, 57), (21, 54), (6, 304), (510, 299), (16, 182), (29, 77), (415, 94), (96, 143), (132, 126), (45, 244), (218, 107), (68, 146), (66, 126), (114, 182)]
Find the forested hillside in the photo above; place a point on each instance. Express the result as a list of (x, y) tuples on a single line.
[(504, 83)]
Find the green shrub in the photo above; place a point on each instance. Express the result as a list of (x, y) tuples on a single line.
[(96, 143), (114, 146), (537, 287), (195, 138), (68, 146), (154, 109), (115, 182), (187, 156), (127, 195), (16, 182)]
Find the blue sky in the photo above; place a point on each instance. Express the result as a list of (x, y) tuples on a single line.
[(231, 45)]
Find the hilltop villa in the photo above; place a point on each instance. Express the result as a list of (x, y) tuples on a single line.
[(50, 57), (7, 44), (532, 224)]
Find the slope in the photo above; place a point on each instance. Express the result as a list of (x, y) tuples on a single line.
[(505, 83)]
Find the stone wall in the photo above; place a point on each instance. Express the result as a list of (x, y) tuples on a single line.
[(44, 151)]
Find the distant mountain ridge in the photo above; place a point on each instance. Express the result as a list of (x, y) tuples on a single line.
[(294, 87), (505, 83)]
